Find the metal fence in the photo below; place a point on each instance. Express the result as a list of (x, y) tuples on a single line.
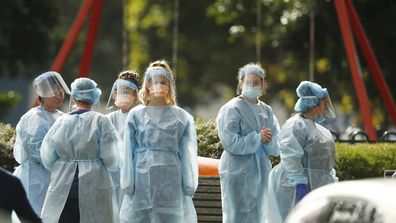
[(359, 136)]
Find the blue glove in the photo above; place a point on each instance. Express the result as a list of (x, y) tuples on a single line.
[(301, 190)]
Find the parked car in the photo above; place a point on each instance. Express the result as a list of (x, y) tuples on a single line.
[(356, 201)]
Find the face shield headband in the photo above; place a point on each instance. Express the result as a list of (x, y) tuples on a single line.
[(157, 71), (121, 94), (251, 69), (50, 84)]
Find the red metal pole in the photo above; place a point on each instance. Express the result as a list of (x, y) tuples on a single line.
[(71, 37), (91, 38), (372, 61), (353, 65)]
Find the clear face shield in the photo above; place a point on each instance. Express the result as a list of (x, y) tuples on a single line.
[(158, 86), (123, 94), (252, 85), (50, 84), (324, 107), (327, 106)]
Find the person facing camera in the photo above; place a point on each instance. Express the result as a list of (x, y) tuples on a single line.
[(124, 96), (79, 149), (248, 131), (159, 171), (307, 152)]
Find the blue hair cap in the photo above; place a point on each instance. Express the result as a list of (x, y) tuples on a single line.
[(309, 94), (251, 68), (84, 89)]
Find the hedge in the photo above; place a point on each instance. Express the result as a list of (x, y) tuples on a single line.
[(354, 161), (363, 160), (7, 140)]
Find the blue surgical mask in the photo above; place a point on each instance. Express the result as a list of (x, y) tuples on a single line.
[(251, 93), (319, 119)]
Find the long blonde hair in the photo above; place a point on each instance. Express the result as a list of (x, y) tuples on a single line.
[(170, 98)]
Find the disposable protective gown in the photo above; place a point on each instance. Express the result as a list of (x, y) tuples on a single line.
[(244, 165), (86, 141), (118, 119), (30, 132), (307, 152), (159, 173)]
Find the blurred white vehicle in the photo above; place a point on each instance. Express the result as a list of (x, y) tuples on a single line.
[(358, 201)]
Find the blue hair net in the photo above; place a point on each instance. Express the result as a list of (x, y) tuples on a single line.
[(84, 89), (309, 94), (251, 68), (157, 71)]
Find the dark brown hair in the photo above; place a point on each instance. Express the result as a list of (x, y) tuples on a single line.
[(129, 75)]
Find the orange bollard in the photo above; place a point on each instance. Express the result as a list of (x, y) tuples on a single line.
[(207, 166)]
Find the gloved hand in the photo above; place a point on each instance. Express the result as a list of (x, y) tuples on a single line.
[(301, 190)]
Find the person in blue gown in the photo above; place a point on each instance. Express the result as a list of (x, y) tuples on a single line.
[(307, 152), (30, 132), (79, 149), (123, 96), (159, 170), (248, 131)]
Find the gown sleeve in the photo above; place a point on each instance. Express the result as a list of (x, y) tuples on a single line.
[(109, 141), (48, 148), (189, 158), (272, 148), (291, 151), (29, 138), (127, 179), (228, 124)]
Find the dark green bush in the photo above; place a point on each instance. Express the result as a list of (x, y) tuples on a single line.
[(354, 161), (7, 140), (208, 141), (362, 160)]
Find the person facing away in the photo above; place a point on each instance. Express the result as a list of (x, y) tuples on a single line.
[(159, 171), (248, 131), (78, 150), (13, 198), (307, 152), (30, 132), (124, 97)]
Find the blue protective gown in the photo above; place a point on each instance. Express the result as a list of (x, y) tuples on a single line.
[(118, 119), (307, 152), (86, 141), (159, 173), (30, 132), (244, 165)]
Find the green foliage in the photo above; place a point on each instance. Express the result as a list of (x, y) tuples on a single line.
[(357, 161), (208, 141), (207, 58), (7, 140), (354, 161), (8, 100)]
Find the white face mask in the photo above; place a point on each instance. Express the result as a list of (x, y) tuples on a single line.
[(251, 93), (160, 90), (124, 100)]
